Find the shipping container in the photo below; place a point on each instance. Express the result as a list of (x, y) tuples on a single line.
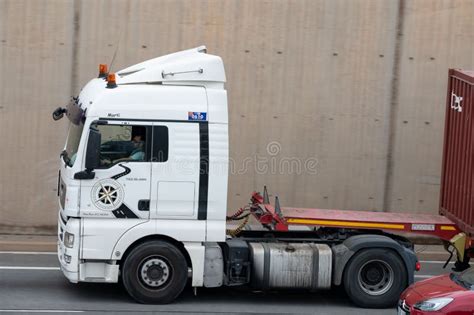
[(457, 180)]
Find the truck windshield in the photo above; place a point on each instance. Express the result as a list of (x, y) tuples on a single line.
[(73, 138), (76, 115)]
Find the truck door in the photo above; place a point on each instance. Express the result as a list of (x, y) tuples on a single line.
[(121, 187), (175, 170)]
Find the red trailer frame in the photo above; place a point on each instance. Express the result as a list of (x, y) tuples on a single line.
[(279, 218)]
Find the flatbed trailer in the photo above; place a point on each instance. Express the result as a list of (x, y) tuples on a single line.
[(275, 217), (281, 218)]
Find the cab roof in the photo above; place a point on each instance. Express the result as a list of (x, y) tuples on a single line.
[(189, 67)]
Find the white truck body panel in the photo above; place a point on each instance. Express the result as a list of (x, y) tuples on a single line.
[(175, 183), (191, 67)]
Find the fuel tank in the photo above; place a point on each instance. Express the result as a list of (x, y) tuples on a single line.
[(288, 265)]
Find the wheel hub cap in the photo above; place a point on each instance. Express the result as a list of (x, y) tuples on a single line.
[(376, 277), (155, 272)]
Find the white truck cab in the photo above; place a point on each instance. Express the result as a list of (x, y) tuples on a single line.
[(143, 196), (160, 135)]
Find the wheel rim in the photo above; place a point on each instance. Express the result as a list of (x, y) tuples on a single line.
[(375, 277), (154, 271)]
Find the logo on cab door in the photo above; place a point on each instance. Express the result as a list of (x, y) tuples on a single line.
[(107, 194)]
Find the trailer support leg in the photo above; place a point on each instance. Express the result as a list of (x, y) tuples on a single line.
[(459, 243)]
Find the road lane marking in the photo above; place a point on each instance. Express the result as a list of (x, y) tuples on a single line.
[(437, 262), (40, 311), (28, 253), (431, 252), (28, 268), (425, 276), (434, 262)]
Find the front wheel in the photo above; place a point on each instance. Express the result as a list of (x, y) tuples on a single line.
[(375, 278), (154, 272)]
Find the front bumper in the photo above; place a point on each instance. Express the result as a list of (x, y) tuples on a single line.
[(72, 267), (68, 257), (68, 270), (403, 308)]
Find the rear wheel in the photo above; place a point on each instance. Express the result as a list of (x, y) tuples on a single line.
[(375, 278), (155, 272)]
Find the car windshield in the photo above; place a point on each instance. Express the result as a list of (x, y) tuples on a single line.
[(467, 278), (73, 139)]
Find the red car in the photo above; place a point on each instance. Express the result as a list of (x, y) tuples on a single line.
[(446, 294)]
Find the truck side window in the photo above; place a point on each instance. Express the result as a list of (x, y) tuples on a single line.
[(122, 143), (160, 144)]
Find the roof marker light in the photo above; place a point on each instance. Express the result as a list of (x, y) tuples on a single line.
[(102, 70), (111, 81)]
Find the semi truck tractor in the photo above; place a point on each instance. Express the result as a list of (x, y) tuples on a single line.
[(143, 200)]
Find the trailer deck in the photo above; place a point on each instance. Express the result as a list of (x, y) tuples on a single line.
[(280, 218)]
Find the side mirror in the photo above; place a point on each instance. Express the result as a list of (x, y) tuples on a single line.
[(58, 113), (93, 147)]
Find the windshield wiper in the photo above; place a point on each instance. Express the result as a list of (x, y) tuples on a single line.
[(65, 157)]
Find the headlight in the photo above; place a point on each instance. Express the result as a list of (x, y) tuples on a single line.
[(68, 240), (433, 304)]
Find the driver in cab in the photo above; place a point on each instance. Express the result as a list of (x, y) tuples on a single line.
[(137, 153), (136, 149)]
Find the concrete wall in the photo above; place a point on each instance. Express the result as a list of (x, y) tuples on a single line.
[(35, 70), (333, 103)]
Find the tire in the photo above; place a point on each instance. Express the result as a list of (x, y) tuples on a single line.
[(155, 273), (375, 278)]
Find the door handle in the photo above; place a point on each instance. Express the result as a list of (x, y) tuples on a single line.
[(144, 205)]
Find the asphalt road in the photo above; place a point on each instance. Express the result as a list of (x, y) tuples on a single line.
[(33, 283)]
